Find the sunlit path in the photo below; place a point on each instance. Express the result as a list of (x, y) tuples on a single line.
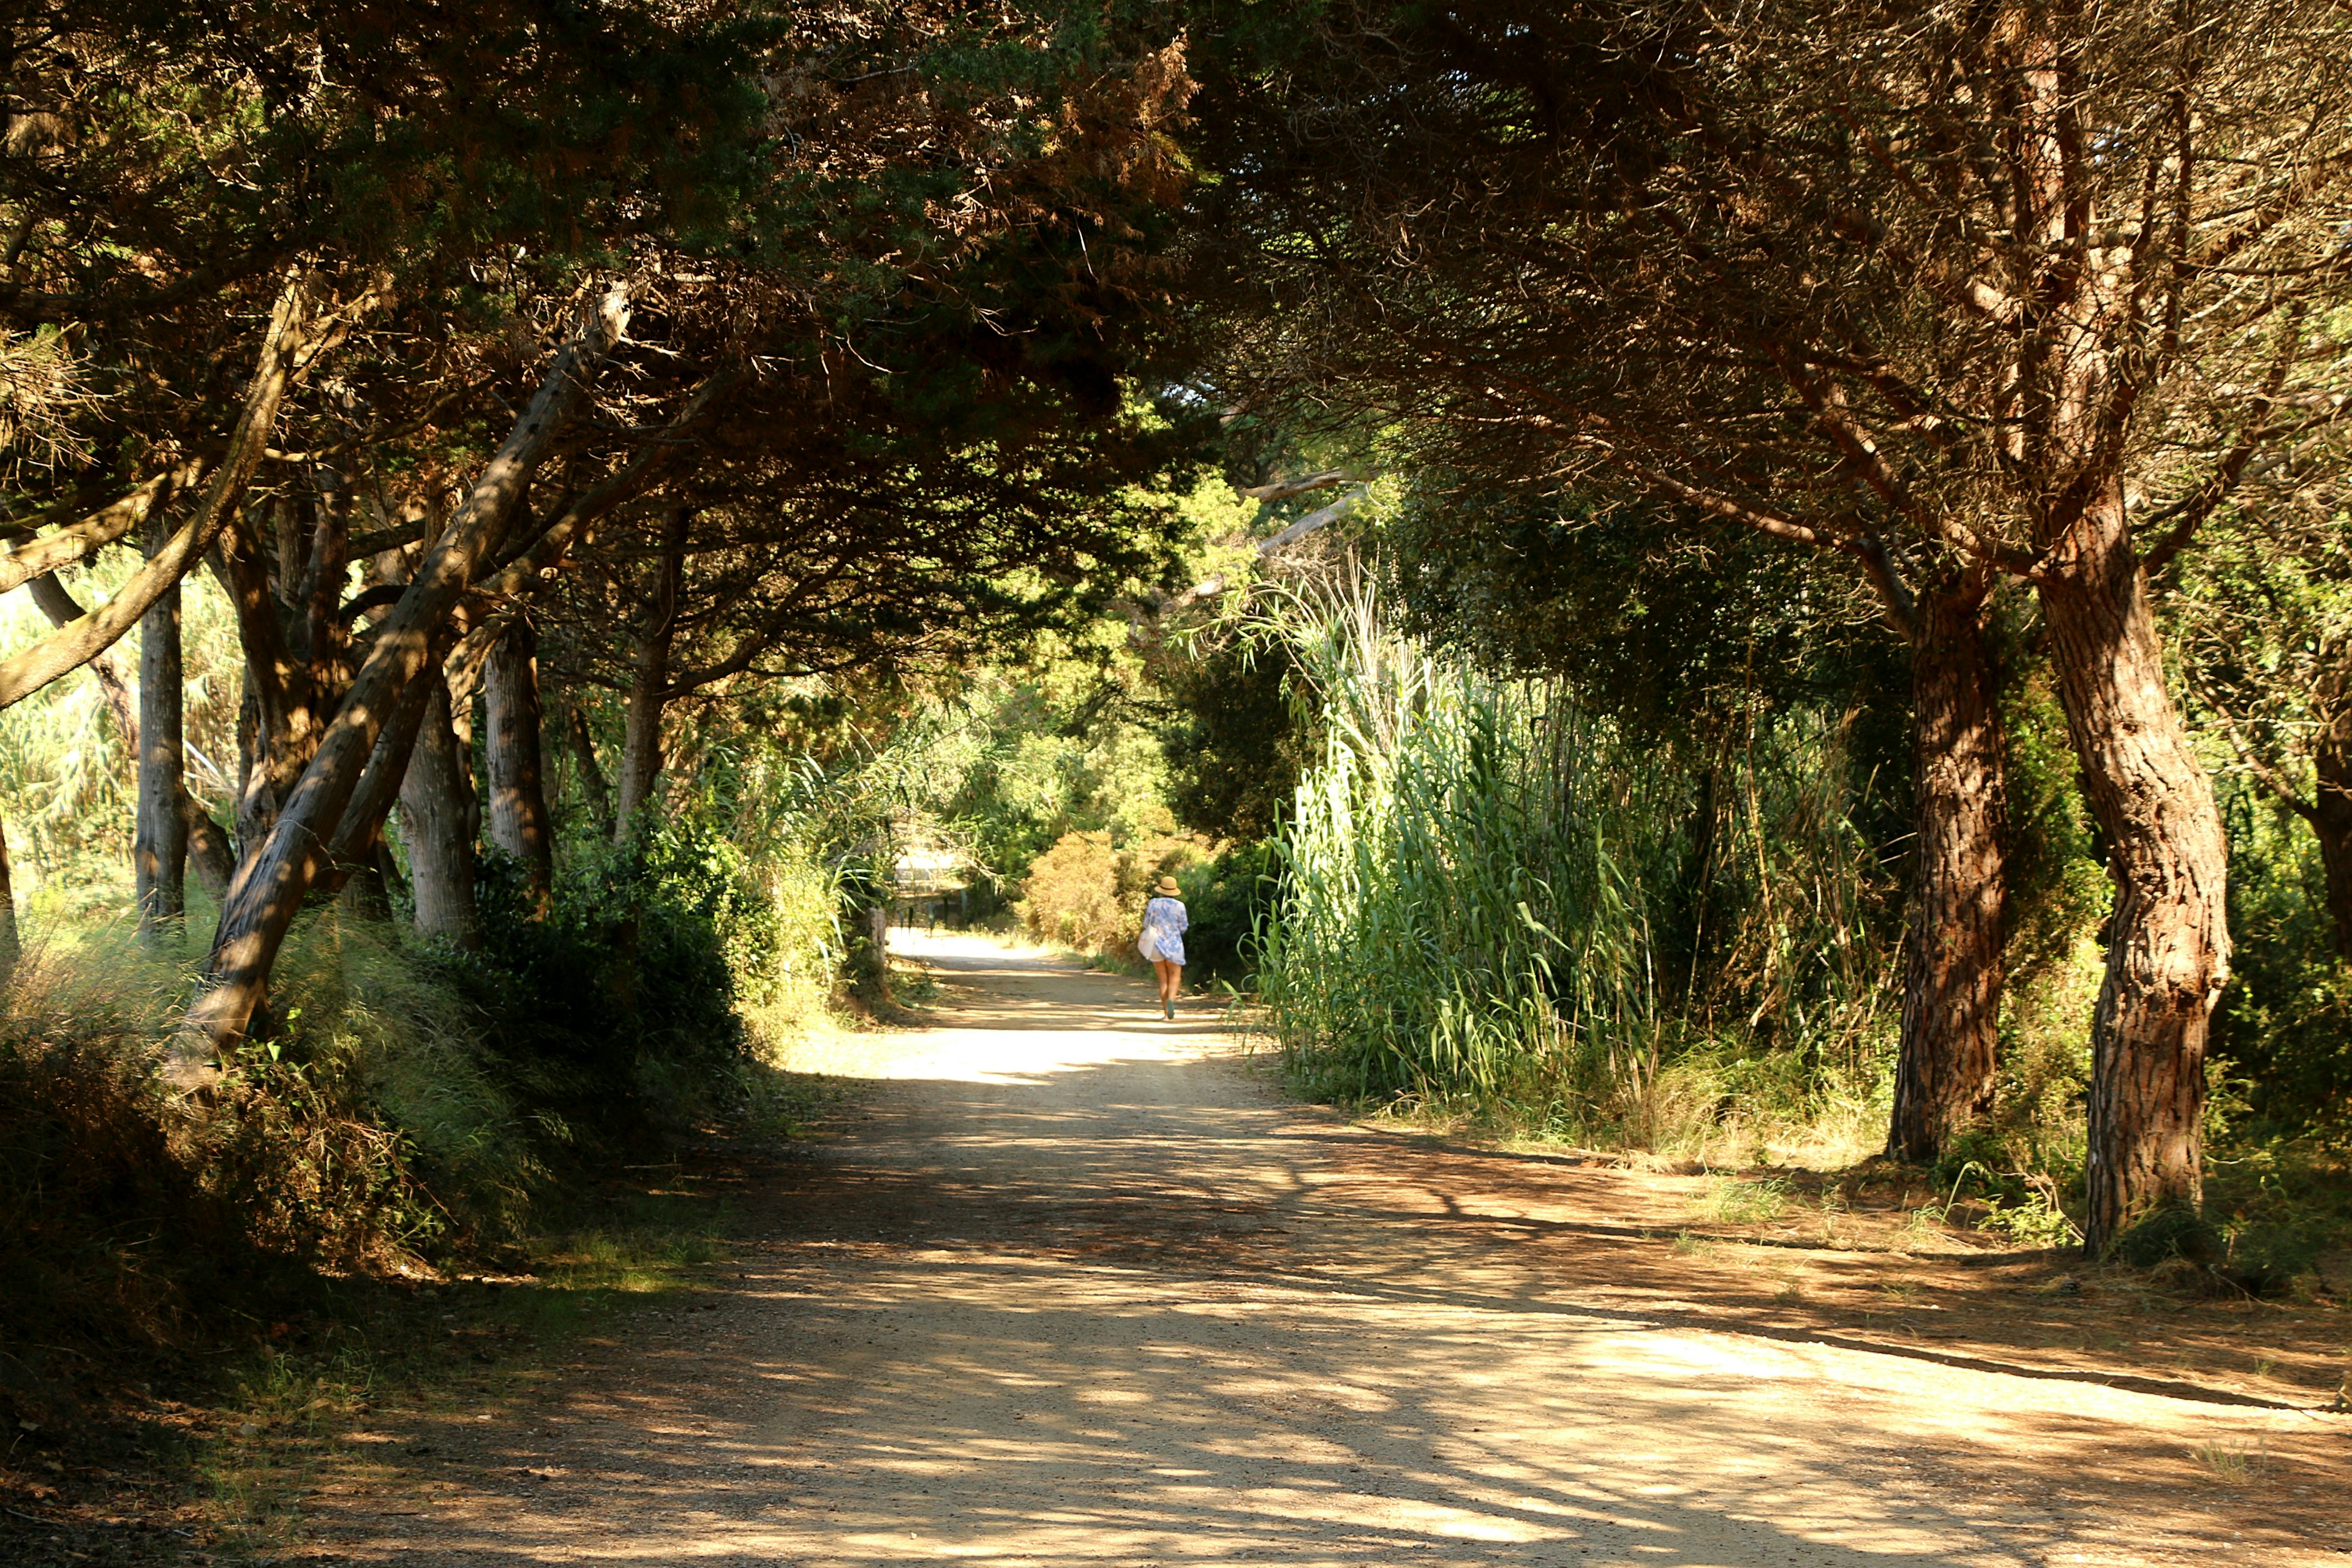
[(1080, 1288)]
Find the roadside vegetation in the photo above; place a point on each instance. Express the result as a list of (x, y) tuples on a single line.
[(1800, 656)]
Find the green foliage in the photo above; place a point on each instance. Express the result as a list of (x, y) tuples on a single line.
[(1237, 743), (376, 1125), (406, 1102), (1665, 618), (1229, 899), (1481, 891), (626, 1002), (2285, 1023), (65, 775)]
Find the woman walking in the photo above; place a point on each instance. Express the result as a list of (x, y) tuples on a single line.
[(1164, 924)]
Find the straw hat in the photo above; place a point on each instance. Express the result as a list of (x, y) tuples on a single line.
[(1167, 888)]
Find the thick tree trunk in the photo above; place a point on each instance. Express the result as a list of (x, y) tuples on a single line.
[(436, 823), (159, 847), (1952, 971), (2169, 941), (641, 754), (512, 722), (271, 887)]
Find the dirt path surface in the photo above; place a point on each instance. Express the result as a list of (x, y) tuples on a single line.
[(1079, 1286)]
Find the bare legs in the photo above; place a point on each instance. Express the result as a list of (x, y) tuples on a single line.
[(1171, 981)]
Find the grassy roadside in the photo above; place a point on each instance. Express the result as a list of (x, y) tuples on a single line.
[(208, 1452)]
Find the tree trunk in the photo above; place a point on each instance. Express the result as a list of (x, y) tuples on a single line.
[(2169, 941), (360, 868), (357, 849), (283, 715), (511, 721), (210, 856), (436, 823), (1952, 971), (641, 754), (591, 774), (271, 887), (12, 947), (159, 851), (2331, 808), (206, 849), (52, 598)]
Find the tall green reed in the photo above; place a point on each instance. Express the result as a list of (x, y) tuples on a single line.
[(1494, 895)]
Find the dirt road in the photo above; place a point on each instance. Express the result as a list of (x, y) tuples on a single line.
[(1081, 1288)]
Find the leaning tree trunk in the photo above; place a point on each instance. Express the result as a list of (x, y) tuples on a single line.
[(209, 854), (2168, 940), (159, 844), (270, 885), (360, 869), (641, 755), (1952, 972), (511, 726), (291, 335), (437, 815)]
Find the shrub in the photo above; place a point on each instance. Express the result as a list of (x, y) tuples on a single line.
[(619, 1006), (1086, 895), (1227, 897), (369, 1128)]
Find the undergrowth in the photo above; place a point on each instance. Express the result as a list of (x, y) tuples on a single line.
[(412, 1110)]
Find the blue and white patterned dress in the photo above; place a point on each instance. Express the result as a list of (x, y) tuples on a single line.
[(1164, 924)]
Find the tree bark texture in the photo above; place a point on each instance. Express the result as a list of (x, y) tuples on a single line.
[(1953, 964), (33, 559), (209, 854), (641, 753), (159, 845), (271, 884), (512, 723), (2168, 942), (283, 714), (436, 822)]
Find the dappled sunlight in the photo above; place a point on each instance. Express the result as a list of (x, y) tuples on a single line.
[(1063, 1297)]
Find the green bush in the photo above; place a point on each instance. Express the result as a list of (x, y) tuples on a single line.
[(1228, 899), (620, 1007)]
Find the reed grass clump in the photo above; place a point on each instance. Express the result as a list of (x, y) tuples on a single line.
[(1494, 899)]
